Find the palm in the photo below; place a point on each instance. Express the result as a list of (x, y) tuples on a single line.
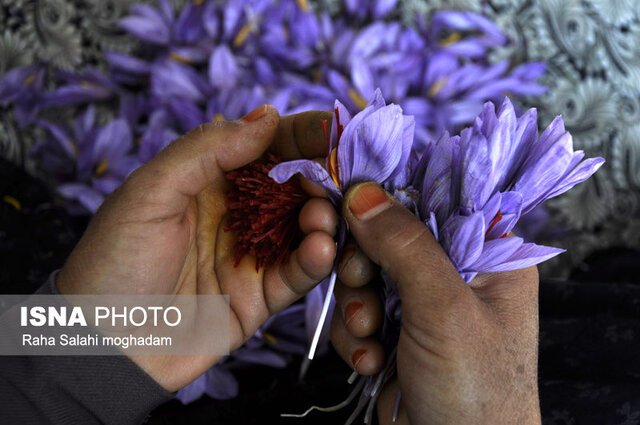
[(163, 233)]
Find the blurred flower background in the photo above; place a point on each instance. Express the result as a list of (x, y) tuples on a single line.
[(91, 89)]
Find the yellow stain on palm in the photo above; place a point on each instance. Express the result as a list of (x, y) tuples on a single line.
[(29, 80), (102, 167), (179, 58), (454, 37), (303, 5), (242, 35), (218, 117), (12, 201), (357, 98), (270, 339), (437, 86)]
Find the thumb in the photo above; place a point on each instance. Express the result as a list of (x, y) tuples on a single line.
[(404, 248), (191, 163)]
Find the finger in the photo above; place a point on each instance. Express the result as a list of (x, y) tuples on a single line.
[(311, 262), (191, 163), (302, 135), (254, 296), (406, 250), (365, 355), (355, 268), (360, 308), (318, 214), (391, 410)]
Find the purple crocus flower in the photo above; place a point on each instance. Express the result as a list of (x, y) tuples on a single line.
[(80, 87), (464, 33), (474, 187), (374, 145), (99, 157), (22, 88)]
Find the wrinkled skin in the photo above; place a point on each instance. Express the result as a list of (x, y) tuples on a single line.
[(467, 353)]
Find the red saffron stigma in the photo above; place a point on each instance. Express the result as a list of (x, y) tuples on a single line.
[(493, 223), (262, 213)]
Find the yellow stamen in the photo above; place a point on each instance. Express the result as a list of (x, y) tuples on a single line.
[(218, 117), (242, 35), (437, 86), (357, 98), (303, 5), (29, 80), (333, 167), (179, 58), (12, 201), (317, 74), (102, 167), (198, 2), (270, 339), (454, 37)]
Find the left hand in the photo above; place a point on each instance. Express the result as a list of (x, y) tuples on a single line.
[(162, 232)]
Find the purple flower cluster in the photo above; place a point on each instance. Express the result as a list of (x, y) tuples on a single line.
[(218, 60), (470, 190), (215, 60)]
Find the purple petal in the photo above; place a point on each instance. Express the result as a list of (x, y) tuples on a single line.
[(511, 210), (464, 239), (577, 175), (113, 141), (221, 384), (148, 25), (88, 197), (527, 255), (310, 170), (223, 69), (210, 19), (193, 391), (382, 7), (496, 252), (362, 78), (61, 136), (127, 63), (371, 146), (170, 79), (107, 185)]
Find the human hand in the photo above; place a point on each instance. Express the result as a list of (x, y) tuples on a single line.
[(467, 353), (162, 232)]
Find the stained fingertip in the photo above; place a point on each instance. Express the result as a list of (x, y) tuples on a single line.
[(318, 215), (367, 361), (355, 268), (364, 355)]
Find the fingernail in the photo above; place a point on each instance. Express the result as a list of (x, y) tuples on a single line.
[(368, 201), (351, 310), (357, 357), (256, 114)]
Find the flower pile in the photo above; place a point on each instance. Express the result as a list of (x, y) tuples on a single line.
[(215, 60)]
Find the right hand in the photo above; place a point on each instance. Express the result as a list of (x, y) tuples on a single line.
[(467, 353)]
